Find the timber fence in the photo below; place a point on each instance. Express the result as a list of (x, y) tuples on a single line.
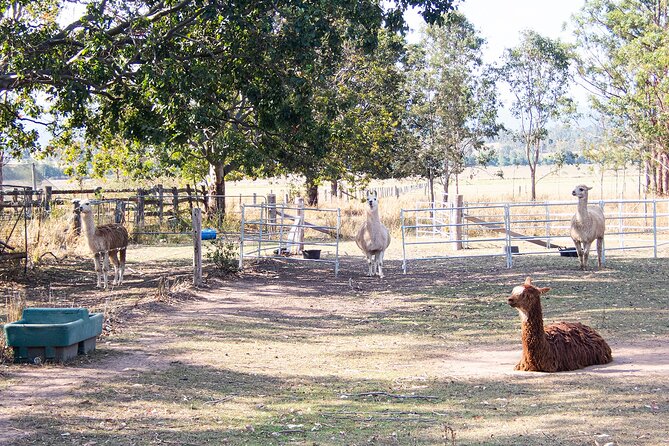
[(16, 208)]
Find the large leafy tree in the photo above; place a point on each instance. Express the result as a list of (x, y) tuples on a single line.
[(199, 82), (360, 112), (625, 60), (538, 74), (454, 103)]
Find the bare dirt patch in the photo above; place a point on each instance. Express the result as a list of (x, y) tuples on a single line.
[(287, 353)]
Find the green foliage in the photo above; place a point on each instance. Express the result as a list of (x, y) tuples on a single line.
[(625, 61), (165, 88), (537, 72), (453, 100), (224, 255)]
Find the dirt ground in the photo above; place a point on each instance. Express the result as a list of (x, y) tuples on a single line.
[(420, 335)]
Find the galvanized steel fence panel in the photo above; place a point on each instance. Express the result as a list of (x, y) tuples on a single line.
[(496, 229), (272, 231)]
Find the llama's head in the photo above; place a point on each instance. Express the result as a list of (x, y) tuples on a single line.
[(526, 298), (372, 201), (85, 207), (581, 191)]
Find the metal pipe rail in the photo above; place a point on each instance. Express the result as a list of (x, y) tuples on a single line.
[(517, 223), (268, 231)]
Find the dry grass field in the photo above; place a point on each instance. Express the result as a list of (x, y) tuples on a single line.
[(287, 353)]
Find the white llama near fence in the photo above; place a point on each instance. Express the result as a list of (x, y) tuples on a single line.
[(587, 225), (373, 237), (105, 242)]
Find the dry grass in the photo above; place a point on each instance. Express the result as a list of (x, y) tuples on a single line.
[(289, 354), (54, 238), (15, 302), (286, 353)]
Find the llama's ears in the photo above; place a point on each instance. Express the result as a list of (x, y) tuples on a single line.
[(589, 188), (528, 282)]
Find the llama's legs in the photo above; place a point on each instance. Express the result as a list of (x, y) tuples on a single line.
[(586, 254), (379, 261), (122, 266), (579, 251), (113, 256), (105, 268), (600, 245), (375, 265), (97, 257), (370, 262)]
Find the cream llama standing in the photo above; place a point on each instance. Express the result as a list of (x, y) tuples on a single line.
[(373, 238), (587, 225), (105, 242)]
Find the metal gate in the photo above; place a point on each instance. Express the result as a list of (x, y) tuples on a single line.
[(290, 232)]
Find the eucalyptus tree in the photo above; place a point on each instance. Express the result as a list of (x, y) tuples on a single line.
[(624, 46), (538, 74), (454, 102), (200, 83)]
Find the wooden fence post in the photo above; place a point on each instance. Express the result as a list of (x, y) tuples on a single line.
[(139, 213), (175, 201), (456, 222), (271, 211), (190, 197), (77, 218), (159, 187), (299, 201), (197, 247), (205, 198), (119, 212), (47, 198)]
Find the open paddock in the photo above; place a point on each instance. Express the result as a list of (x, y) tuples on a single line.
[(288, 353)]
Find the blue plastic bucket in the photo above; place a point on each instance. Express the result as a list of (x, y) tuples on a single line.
[(208, 234)]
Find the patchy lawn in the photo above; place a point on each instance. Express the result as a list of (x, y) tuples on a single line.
[(286, 353)]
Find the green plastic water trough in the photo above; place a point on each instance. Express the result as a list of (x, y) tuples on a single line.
[(53, 334)]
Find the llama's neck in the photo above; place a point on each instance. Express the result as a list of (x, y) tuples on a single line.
[(373, 216), (582, 210), (88, 225), (533, 335)]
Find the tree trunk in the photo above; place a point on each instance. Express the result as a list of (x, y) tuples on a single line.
[(430, 185), (334, 186), (312, 192), (533, 182), (217, 202), (663, 167), (2, 166)]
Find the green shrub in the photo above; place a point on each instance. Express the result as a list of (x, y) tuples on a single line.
[(224, 255)]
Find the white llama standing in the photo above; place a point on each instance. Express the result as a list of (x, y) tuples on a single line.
[(105, 242), (587, 225), (373, 238)]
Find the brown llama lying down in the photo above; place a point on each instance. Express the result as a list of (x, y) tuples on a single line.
[(558, 347)]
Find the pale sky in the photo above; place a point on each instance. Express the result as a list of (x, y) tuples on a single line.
[(501, 21)]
